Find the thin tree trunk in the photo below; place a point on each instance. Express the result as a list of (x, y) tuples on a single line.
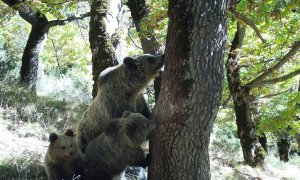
[(30, 58), (284, 142), (191, 90), (263, 141), (284, 145), (252, 150), (103, 54), (150, 45), (262, 138), (140, 10)]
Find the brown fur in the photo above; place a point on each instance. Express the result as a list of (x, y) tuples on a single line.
[(118, 146), (63, 159), (119, 89)]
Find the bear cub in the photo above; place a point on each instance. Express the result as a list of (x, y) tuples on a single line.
[(118, 146), (63, 159), (119, 90)]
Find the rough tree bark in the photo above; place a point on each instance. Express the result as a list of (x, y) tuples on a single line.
[(36, 40), (252, 149), (103, 54), (191, 90)]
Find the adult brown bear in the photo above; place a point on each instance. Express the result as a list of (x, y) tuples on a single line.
[(119, 90)]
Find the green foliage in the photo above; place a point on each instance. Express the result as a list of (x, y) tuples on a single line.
[(278, 22), (156, 22), (224, 137), (279, 115), (58, 9), (65, 50), (12, 43), (48, 111)]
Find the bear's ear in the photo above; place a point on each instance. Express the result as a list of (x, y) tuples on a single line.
[(53, 137), (69, 132), (130, 62), (126, 114)]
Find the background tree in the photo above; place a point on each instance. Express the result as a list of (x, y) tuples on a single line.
[(191, 90), (241, 93), (103, 54), (141, 17), (40, 26), (280, 116), (140, 10)]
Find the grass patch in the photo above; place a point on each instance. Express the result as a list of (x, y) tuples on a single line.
[(26, 119), (22, 106), (21, 169)]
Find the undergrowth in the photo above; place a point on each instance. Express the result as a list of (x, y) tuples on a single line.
[(27, 119), (21, 169), (20, 106)]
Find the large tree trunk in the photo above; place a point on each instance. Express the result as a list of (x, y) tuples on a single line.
[(103, 54), (30, 59), (191, 90), (252, 150)]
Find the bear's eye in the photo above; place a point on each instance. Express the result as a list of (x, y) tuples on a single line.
[(63, 147)]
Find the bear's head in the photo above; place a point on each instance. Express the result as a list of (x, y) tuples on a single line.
[(145, 67), (63, 146), (132, 128)]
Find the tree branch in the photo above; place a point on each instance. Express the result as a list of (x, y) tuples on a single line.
[(280, 79), (66, 21), (272, 95), (132, 38), (56, 52), (258, 81), (248, 22), (31, 16)]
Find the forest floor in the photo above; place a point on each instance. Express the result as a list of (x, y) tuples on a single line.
[(23, 146)]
